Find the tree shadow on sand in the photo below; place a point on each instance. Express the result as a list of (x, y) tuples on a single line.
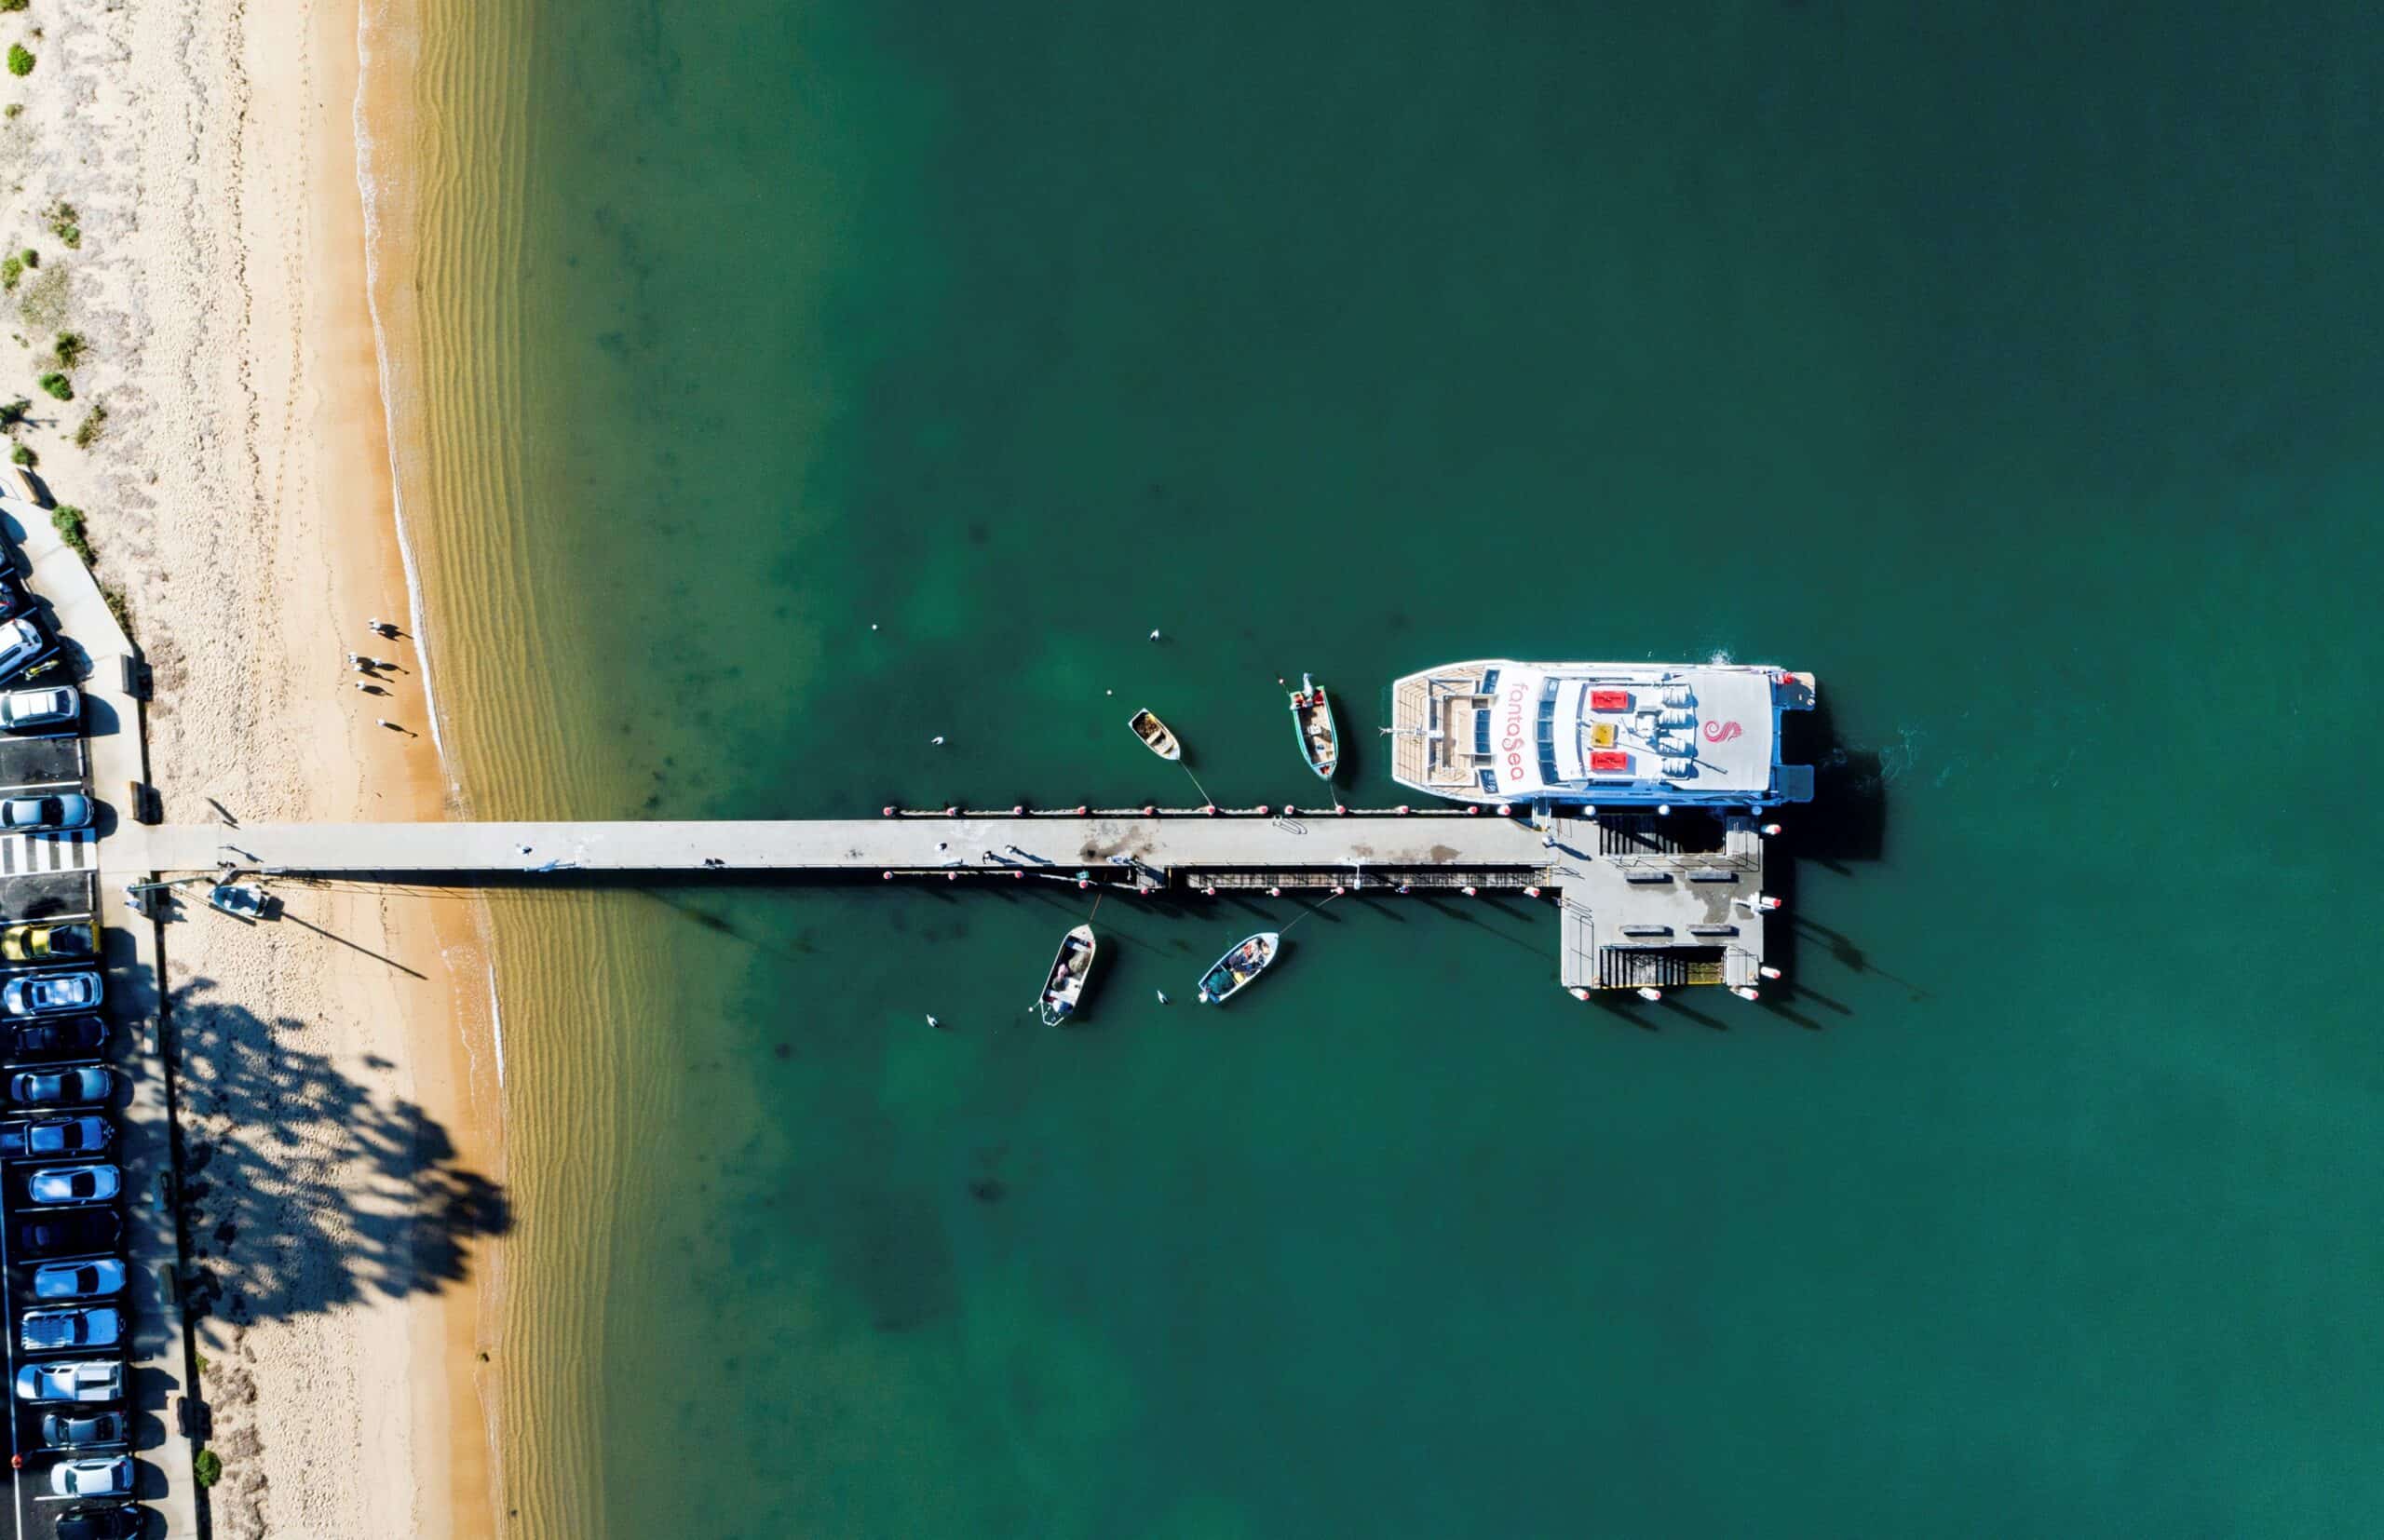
[(303, 1188)]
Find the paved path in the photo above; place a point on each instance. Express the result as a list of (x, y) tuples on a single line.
[(1184, 844)]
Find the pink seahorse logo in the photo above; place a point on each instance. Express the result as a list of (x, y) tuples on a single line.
[(1722, 732)]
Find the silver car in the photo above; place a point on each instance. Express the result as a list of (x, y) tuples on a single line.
[(78, 1280), (46, 814), (59, 1185), (50, 993), (23, 708)]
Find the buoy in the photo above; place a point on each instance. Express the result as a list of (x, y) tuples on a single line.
[(1150, 810), (1288, 810), (1747, 992), (1769, 972), (1209, 891), (1080, 810), (1337, 891), (1018, 810), (1274, 893), (1404, 888), (1016, 873), (952, 812), (951, 876), (1472, 807), (1649, 992), (1204, 997), (1772, 829), (1402, 807), (1083, 883), (886, 812), (1662, 808), (1589, 810), (1338, 808), (887, 876)]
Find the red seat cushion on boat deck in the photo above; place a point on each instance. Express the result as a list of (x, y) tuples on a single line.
[(1609, 759), (1609, 700)]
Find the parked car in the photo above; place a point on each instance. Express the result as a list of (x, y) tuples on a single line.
[(55, 1186), (62, 1327), (50, 707), (50, 993), (75, 1085), (122, 1523), (22, 645), (81, 1430), (78, 1280), (49, 814), (40, 944), (104, 1476), (91, 1381), (68, 1233), (14, 598), (55, 1136), (57, 1036)]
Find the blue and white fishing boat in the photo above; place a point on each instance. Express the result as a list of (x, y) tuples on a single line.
[(1237, 968)]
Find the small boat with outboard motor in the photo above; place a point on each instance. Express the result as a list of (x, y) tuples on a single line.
[(1312, 719), (1238, 967), (1063, 986)]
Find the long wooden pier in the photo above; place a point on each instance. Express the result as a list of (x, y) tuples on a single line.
[(1639, 908)]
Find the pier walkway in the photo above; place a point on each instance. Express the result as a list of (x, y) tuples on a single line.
[(1644, 902)]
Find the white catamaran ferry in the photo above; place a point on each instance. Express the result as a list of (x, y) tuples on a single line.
[(1604, 733)]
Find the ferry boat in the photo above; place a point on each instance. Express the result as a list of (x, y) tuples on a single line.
[(1601, 733)]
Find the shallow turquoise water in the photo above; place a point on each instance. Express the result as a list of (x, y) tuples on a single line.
[(2010, 369)]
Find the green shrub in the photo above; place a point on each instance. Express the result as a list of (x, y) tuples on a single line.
[(23, 454), (207, 1468), (70, 347), (12, 414), (12, 267), (64, 223), (14, 5), (12, 109), (57, 385), (20, 60), (67, 519), (87, 432)]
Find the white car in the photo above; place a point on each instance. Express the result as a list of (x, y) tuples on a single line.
[(79, 1380), (78, 1280), (48, 993), (23, 708), (110, 1475), (64, 1184), (20, 643)]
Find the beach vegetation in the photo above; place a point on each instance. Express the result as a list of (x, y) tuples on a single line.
[(67, 519), (117, 605), (44, 305), (64, 221), (21, 59), (12, 414), (87, 432), (13, 108), (207, 1468), (14, 5), (30, 257), (57, 385), (23, 454), (12, 267), (71, 347)]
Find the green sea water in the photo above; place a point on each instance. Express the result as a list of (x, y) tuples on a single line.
[(890, 369)]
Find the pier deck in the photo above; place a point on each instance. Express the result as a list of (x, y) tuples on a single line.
[(1639, 907)]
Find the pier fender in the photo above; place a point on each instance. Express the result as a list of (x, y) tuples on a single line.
[(1018, 811), (952, 812), (1209, 891), (1262, 809), (951, 876), (885, 876), (1083, 883), (1274, 893), (1580, 994), (1506, 811), (1747, 992), (1209, 809), (1402, 807), (1338, 808), (1150, 810), (886, 812), (1082, 810), (1531, 893), (1769, 971), (1338, 891), (1467, 891), (1472, 807), (1289, 811), (1772, 830)]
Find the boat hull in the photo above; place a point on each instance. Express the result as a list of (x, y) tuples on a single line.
[(1154, 733), (1239, 967), (1320, 736), (1064, 985)]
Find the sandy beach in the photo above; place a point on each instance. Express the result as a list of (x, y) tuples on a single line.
[(342, 1169)]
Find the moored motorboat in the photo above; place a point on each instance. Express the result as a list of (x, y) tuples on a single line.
[(1063, 986), (1154, 733), (1234, 971), (1312, 719)]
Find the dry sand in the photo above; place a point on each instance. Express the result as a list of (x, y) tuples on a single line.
[(342, 1152)]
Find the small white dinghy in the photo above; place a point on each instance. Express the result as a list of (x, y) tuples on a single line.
[(1063, 986)]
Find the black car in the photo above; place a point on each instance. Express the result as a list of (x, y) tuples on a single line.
[(14, 600), (122, 1523), (66, 1430), (54, 1035), (67, 1232)]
